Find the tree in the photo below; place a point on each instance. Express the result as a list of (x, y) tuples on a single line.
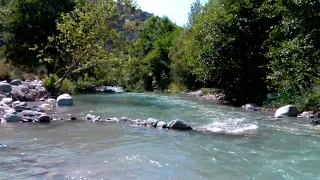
[(225, 49), (27, 23), (152, 47), (294, 47), (195, 9), (86, 37)]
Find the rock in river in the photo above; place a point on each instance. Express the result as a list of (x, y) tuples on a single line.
[(65, 100), (12, 117), (5, 87), (161, 124), (179, 124), (16, 82), (44, 119), (289, 110)]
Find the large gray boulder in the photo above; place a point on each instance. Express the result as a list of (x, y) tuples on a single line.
[(16, 82), (179, 125), (12, 116), (289, 110), (65, 100), (5, 87)]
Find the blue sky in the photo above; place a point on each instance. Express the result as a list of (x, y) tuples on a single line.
[(176, 10)]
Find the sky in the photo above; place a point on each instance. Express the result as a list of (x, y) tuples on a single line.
[(176, 10)]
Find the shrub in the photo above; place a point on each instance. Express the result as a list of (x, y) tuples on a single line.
[(206, 91), (49, 82), (176, 87), (68, 87)]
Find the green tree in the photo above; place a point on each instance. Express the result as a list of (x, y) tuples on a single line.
[(27, 23), (152, 48), (225, 49), (86, 38), (294, 48)]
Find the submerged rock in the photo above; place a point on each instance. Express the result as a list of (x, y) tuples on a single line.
[(65, 100), (179, 124), (289, 110)]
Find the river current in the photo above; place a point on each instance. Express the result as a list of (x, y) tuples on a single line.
[(228, 143)]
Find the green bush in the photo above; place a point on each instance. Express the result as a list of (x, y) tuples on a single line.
[(68, 87), (206, 91), (175, 88), (49, 82)]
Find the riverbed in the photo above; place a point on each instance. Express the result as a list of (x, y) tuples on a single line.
[(228, 142)]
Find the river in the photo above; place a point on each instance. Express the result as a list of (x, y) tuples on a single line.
[(229, 143)]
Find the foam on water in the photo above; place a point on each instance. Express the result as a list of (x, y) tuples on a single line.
[(230, 126)]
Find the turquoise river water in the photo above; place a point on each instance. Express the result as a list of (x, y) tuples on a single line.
[(228, 143)]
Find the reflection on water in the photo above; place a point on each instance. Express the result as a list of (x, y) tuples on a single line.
[(230, 143)]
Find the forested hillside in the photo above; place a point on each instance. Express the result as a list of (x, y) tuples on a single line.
[(247, 49)]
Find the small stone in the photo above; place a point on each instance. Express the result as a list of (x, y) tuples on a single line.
[(73, 118)]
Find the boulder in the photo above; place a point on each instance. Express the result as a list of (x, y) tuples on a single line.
[(65, 100), (16, 82), (179, 125), (12, 117), (317, 115), (251, 106), (5, 87), (289, 110), (44, 118), (161, 124)]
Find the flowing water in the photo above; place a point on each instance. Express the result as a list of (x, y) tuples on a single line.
[(229, 143)]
